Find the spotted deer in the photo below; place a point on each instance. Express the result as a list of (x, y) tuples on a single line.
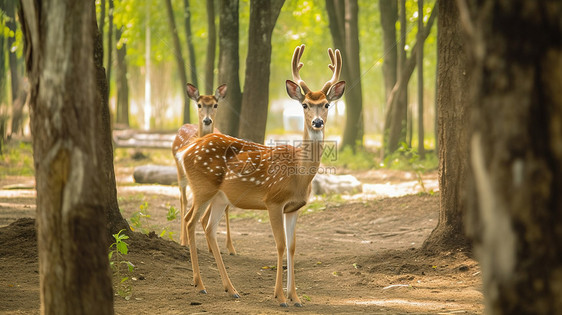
[(207, 106), (224, 170)]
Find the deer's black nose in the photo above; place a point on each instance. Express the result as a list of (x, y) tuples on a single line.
[(207, 121), (318, 123)]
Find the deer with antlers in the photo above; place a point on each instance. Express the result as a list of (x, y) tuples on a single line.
[(206, 109), (224, 170)]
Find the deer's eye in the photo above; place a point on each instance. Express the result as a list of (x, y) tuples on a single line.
[(327, 105), (216, 105), (199, 105), (304, 106)]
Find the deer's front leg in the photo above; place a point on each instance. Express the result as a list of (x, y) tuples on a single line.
[(290, 237), (276, 221), (193, 216)]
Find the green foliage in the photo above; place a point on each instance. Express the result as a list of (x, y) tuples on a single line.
[(17, 159), (172, 213), (139, 219), (118, 250), (408, 159), (361, 159), (322, 202)]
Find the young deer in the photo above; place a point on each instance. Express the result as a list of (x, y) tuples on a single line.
[(206, 110), (227, 170)]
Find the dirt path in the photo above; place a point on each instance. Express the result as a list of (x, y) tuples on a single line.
[(352, 257)]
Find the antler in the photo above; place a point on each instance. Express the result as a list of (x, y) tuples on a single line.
[(335, 66), (297, 65)]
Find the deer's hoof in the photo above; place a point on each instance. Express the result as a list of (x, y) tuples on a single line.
[(284, 305), (203, 291)]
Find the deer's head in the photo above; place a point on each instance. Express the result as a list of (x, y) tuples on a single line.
[(206, 105), (316, 104)]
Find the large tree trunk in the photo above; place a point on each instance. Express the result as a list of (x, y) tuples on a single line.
[(389, 15), (421, 148), (228, 117), (395, 120), (189, 40), (516, 216), (121, 81), (453, 77), (255, 98), (109, 46), (211, 48), (343, 19), (179, 60), (65, 119)]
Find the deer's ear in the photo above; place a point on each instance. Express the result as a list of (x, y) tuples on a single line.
[(192, 92), (336, 91), (294, 91), (220, 93)]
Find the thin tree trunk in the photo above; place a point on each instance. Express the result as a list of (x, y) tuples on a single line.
[(211, 48), (453, 116), (392, 134), (3, 73), (228, 118), (73, 266), (389, 15), (353, 132), (255, 98), (516, 210), (189, 39), (121, 81), (179, 60), (342, 15), (421, 148), (113, 219), (102, 17), (109, 46), (17, 102)]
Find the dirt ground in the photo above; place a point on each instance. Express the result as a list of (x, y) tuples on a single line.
[(354, 255)]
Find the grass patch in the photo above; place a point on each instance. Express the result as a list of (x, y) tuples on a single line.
[(361, 159), (408, 159), (16, 159)]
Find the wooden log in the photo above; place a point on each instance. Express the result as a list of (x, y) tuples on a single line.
[(156, 174)]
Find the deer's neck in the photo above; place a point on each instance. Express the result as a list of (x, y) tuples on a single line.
[(205, 129), (311, 153)]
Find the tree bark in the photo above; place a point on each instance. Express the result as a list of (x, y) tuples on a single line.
[(255, 98), (228, 117), (516, 217), (421, 148), (453, 77), (189, 40), (121, 81), (179, 60), (211, 48), (394, 130), (389, 15), (73, 265)]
